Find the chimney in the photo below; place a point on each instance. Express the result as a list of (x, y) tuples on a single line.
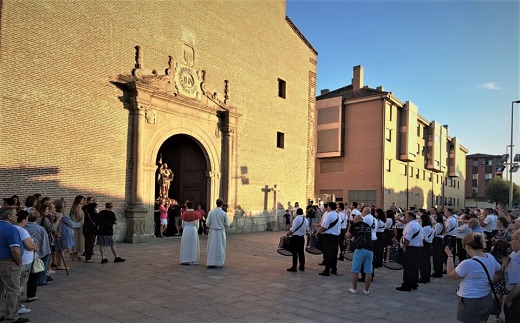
[(357, 81), (380, 88), (325, 91)]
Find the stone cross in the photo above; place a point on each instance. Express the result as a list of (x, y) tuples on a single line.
[(266, 191)]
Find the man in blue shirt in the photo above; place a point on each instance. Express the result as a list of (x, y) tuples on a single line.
[(10, 264)]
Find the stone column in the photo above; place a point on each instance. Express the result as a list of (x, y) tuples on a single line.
[(226, 131), (137, 214)]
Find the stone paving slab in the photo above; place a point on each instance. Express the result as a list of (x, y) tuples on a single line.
[(254, 286)]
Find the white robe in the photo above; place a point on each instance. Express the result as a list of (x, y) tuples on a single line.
[(217, 222), (190, 245)]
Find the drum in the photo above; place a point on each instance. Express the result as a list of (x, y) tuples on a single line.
[(313, 245), (284, 247), (349, 253), (393, 253)]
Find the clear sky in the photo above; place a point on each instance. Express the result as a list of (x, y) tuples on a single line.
[(458, 61)]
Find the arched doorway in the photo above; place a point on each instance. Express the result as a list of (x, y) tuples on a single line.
[(186, 158)]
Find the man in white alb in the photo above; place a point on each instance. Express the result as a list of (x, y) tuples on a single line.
[(217, 222)]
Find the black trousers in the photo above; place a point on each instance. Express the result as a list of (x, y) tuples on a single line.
[(461, 253), (297, 244), (412, 258), (90, 239), (512, 313), (399, 233), (32, 285), (329, 245), (342, 246), (488, 235), (438, 256), (426, 265), (378, 251)]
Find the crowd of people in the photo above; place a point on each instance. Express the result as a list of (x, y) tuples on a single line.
[(41, 236), (485, 244)]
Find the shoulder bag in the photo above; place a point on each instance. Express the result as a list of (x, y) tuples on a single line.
[(496, 303)]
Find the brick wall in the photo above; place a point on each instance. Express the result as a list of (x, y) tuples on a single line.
[(65, 132)]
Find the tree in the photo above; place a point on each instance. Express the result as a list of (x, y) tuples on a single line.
[(497, 191)]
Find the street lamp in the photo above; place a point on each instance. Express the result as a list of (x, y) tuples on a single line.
[(511, 159)]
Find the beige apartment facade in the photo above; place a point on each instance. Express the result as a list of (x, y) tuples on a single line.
[(96, 94), (374, 148)]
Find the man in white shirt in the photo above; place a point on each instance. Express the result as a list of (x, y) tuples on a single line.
[(489, 224), (330, 229), (450, 238), (371, 221), (297, 232), (343, 223), (412, 242)]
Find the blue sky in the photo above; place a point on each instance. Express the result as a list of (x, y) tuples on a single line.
[(458, 61)]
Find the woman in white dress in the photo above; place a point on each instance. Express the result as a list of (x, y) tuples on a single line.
[(190, 246)]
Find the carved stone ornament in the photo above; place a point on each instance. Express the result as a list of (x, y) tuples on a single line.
[(188, 81), (150, 116), (188, 55)]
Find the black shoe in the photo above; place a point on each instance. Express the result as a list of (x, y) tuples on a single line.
[(444, 272), (21, 320), (436, 276), (423, 281), (212, 267), (104, 261), (301, 269), (292, 269), (403, 289), (415, 287), (119, 259), (334, 272), (321, 264), (2, 318), (324, 273), (49, 279)]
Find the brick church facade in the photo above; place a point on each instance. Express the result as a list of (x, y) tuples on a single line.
[(94, 94)]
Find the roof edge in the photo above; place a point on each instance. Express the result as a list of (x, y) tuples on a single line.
[(299, 33)]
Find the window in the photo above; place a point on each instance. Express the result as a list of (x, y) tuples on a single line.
[(388, 134), (280, 138), (402, 169), (475, 163), (489, 162), (390, 110), (417, 173), (418, 149), (281, 88), (411, 171), (488, 176), (367, 197), (475, 176), (418, 131), (388, 164)]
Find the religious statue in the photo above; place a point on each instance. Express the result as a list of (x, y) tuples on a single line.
[(164, 178)]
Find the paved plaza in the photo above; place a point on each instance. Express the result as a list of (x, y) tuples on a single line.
[(254, 286)]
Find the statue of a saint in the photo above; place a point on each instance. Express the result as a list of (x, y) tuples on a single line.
[(164, 179)]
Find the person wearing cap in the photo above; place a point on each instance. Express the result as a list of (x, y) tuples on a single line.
[(106, 221)]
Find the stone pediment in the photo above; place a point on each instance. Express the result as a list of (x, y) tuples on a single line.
[(177, 80)]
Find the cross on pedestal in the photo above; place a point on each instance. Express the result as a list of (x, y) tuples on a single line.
[(266, 191)]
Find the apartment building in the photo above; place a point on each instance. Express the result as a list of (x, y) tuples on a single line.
[(374, 148)]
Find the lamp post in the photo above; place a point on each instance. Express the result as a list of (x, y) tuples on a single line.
[(511, 159)]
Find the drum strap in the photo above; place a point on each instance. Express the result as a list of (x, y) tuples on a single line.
[(332, 224), (303, 220)]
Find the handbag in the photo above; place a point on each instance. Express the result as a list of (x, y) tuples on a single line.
[(496, 303), (37, 265)]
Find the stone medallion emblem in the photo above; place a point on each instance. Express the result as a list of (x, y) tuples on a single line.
[(188, 81)]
